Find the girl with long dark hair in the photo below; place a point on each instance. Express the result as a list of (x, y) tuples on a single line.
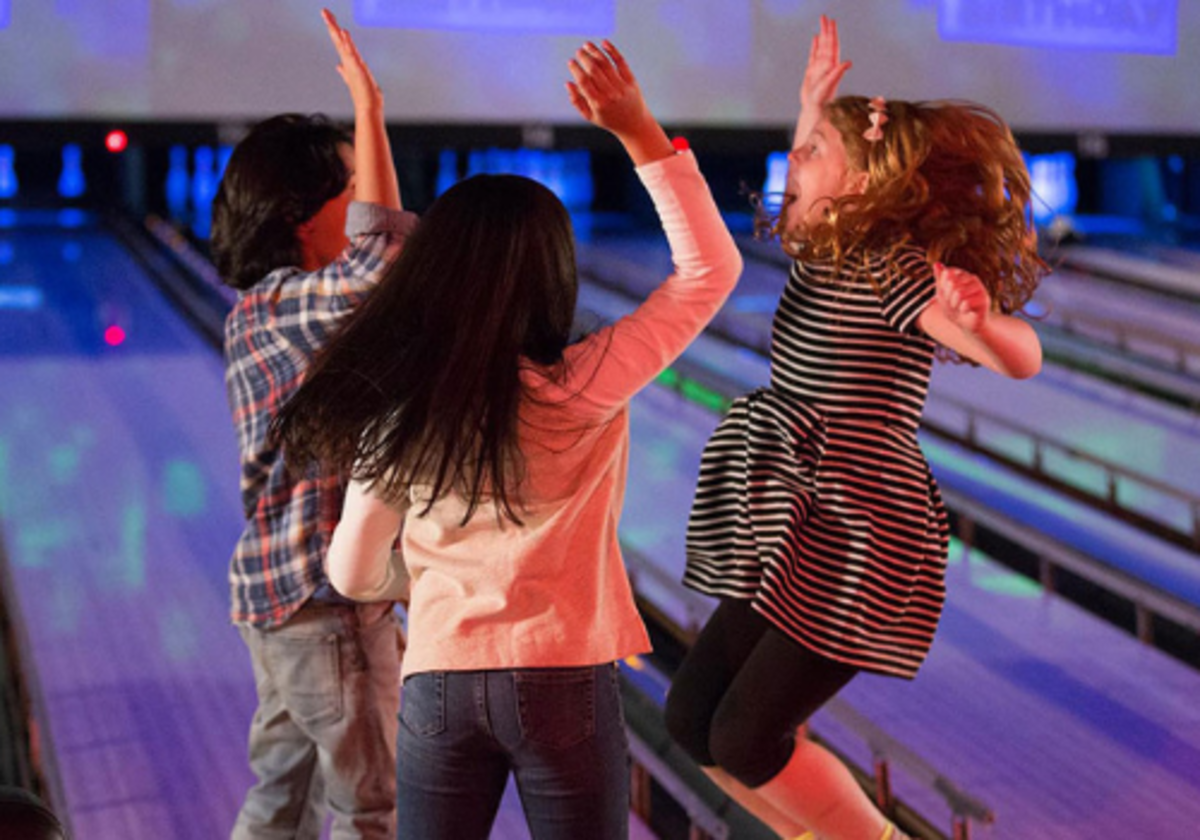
[(497, 449)]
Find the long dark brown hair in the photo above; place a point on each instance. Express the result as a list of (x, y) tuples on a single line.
[(422, 386), (946, 177)]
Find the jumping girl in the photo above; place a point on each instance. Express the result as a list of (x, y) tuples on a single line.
[(816, 521)]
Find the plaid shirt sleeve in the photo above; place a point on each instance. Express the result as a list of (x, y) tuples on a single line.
[(271, 335)]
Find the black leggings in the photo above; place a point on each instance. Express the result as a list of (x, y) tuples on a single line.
[(742, 691)]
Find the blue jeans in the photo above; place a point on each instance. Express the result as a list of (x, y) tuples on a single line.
[(324, 733), (560, 731)]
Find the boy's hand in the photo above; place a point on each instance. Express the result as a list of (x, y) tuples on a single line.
[(354, 71)]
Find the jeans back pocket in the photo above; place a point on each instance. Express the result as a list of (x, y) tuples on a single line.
[(556, 707), (308, 675), (423, 704)]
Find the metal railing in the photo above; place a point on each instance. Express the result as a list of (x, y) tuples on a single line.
[(1147, 600), (886, 751), (1129, 339), (1117, 481)]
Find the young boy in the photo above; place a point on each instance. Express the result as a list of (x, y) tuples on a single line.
[(304, 223)]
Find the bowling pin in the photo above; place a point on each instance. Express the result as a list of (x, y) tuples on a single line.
[(8, 172), (71, 181)]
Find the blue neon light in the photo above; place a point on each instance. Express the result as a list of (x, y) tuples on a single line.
[(1136, 26), (1055, 191), (5, 9), (28, 298), (567, 173), (71, 218), (594, 18), (775, 182)]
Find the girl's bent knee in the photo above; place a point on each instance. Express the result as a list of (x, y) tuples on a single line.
[(750, 762)]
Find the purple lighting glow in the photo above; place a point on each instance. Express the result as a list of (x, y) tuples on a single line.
[(548, 17), (1135, 26)]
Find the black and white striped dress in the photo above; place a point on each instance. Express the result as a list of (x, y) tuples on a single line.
[(814, 499)]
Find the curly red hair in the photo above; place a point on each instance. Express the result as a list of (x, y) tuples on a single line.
[(946, 177)]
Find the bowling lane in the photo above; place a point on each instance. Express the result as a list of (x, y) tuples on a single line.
[(1071, 293), (119, 508), (1171, 271), (118, 490)]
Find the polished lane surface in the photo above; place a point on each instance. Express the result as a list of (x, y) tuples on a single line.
[(119, 508), (118, 489)]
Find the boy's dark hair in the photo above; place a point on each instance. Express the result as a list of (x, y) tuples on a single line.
[(278, 177), (423, 385)]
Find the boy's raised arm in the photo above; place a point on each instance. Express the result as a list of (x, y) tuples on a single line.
[(375, 171)]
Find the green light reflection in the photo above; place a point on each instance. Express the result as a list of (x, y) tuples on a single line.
[(131, 558), (704, 396), (36, 541), (63, 463), (985, 573), (184, 489)]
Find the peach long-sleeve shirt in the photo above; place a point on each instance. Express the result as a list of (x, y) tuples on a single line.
[(552, 592)]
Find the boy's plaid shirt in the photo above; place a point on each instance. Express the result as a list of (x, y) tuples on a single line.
[(271, 335)]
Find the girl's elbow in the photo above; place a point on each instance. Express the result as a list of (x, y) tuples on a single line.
[(1026, 367), (1026, 372), (729, 270), (343, 580), (345, 575), (735, 264)]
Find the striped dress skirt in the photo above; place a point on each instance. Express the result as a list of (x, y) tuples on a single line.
[(834, 528)]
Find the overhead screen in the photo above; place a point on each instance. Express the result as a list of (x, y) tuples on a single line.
[(1047, 65)]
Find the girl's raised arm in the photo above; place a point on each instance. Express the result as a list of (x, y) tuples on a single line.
[(821, 79), (606, 94)]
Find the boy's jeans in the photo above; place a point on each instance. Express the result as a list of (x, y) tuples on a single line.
[(324, 732)]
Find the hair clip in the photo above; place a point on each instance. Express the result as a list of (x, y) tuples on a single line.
[(879, 118)]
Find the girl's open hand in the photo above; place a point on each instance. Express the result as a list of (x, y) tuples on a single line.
[(604, 90), (962, 297), (354, 71), (825, 68), (821, 79)]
